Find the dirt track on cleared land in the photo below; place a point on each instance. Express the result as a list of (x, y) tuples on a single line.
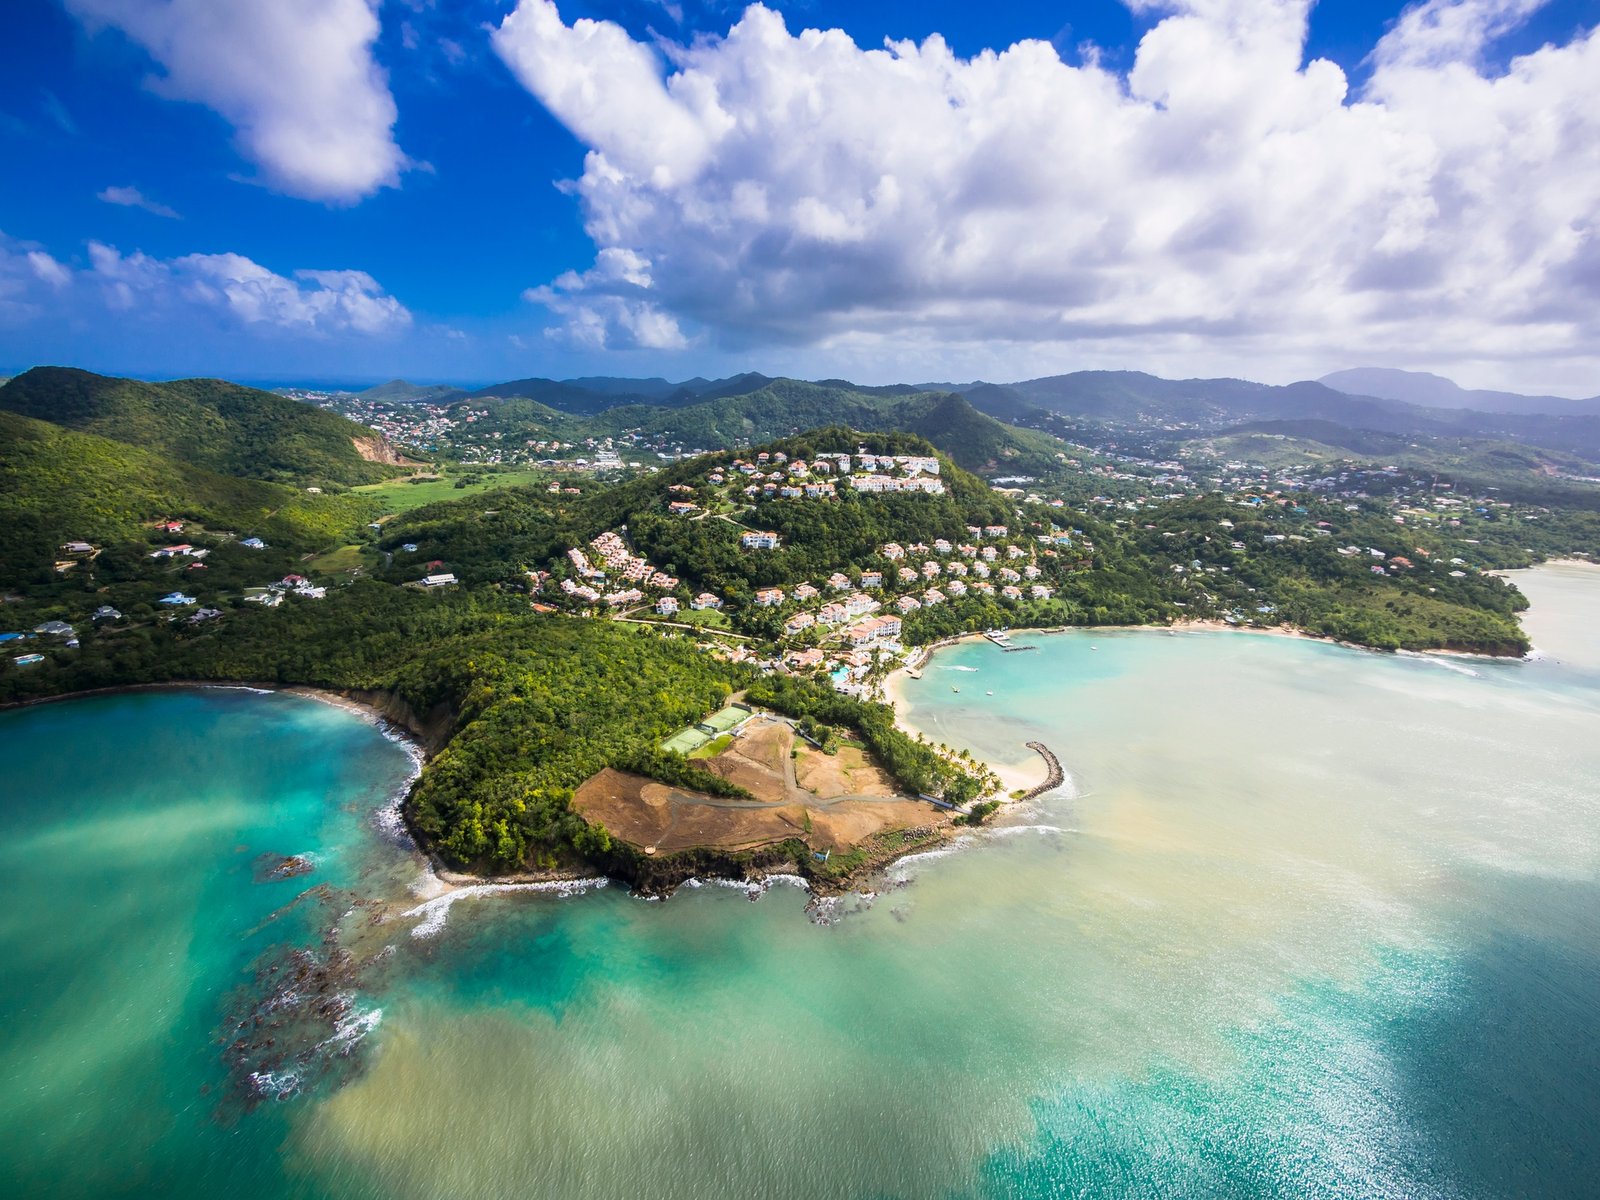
[(853, 800)]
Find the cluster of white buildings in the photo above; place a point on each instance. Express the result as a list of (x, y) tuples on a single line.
[(613, 564), (620, 562), (290, 585), (874, 484)]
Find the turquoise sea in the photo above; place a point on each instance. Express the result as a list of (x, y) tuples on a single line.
[(1305, 921)]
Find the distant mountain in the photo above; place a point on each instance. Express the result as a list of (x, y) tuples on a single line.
[(634, 389), (208, 423), (398, 391), (567, 397), (1132, 398), (782, 407), (1435, 391)]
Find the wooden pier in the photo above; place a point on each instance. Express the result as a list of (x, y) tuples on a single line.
[(1053, 780), (1003, 639)]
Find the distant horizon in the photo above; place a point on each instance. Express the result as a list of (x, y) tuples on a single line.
[(561, 188), (363, 383)]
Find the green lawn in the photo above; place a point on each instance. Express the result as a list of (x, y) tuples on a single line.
[(705, 618), (400, 495), (714, 747)]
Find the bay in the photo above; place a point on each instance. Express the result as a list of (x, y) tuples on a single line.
[(1305, 921)]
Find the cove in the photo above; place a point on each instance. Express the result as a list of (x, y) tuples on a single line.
[(1305, 921)]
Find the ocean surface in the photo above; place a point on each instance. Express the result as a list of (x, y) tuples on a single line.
[(1305, 921)]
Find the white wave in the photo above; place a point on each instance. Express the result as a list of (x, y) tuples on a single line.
[(281, 1084), (971, 670), (791, 880), (1000, 831), (238, 687), (1439, 662), (434, 913), (352, 1027), (904, 867)]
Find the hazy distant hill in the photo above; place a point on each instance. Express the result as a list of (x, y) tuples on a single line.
[(398, 391), (1435, 391), (1135, 399), (783, 407), (570, 397), (208, 423)]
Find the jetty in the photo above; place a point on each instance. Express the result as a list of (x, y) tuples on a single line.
[(1003, 639), (1054, 779)]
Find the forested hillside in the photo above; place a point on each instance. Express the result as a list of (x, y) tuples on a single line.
[(207, 423), (58, 486)]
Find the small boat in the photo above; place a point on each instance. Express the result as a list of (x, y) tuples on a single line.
[(954, 688), (988, 693)]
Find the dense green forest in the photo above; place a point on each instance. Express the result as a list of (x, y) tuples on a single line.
[(1176, 564), (785, 407), (537, 704), (206, 423)]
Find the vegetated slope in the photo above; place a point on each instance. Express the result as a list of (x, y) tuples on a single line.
[(1435, 391), (57, 485), (209, 423), (786, 407), (398, 391)]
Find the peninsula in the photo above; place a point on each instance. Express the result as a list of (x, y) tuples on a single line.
[(660, 664)]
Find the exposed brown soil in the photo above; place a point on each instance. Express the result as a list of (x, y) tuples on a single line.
[(848, 773), (853, 800)]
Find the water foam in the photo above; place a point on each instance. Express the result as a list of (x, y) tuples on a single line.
[(435, 912), (901, 871), (1000, 831), (1439, 662), (351, 1027)]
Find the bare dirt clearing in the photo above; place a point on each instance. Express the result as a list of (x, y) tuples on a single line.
[(852, 799)]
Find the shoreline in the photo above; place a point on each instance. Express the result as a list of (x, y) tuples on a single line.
[(444, 880), (1022, 775)]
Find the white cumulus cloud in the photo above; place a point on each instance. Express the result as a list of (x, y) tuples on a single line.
[(1222, 201), (323, 302), (183, 296), (296, 78), (132, 197)]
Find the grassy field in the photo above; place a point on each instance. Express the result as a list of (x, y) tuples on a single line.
[(714, 747), (705, 618), (693, 740), (342, 560), (401, 495)]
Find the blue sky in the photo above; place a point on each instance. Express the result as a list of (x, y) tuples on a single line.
[(346, 191)]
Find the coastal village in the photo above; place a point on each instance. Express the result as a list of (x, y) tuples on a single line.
[(848, 623)]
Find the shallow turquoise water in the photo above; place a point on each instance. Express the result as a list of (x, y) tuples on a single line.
[(1306, 922)]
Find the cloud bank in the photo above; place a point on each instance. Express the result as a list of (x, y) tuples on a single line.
[(296, 79), (770, 188), (227, 291)]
